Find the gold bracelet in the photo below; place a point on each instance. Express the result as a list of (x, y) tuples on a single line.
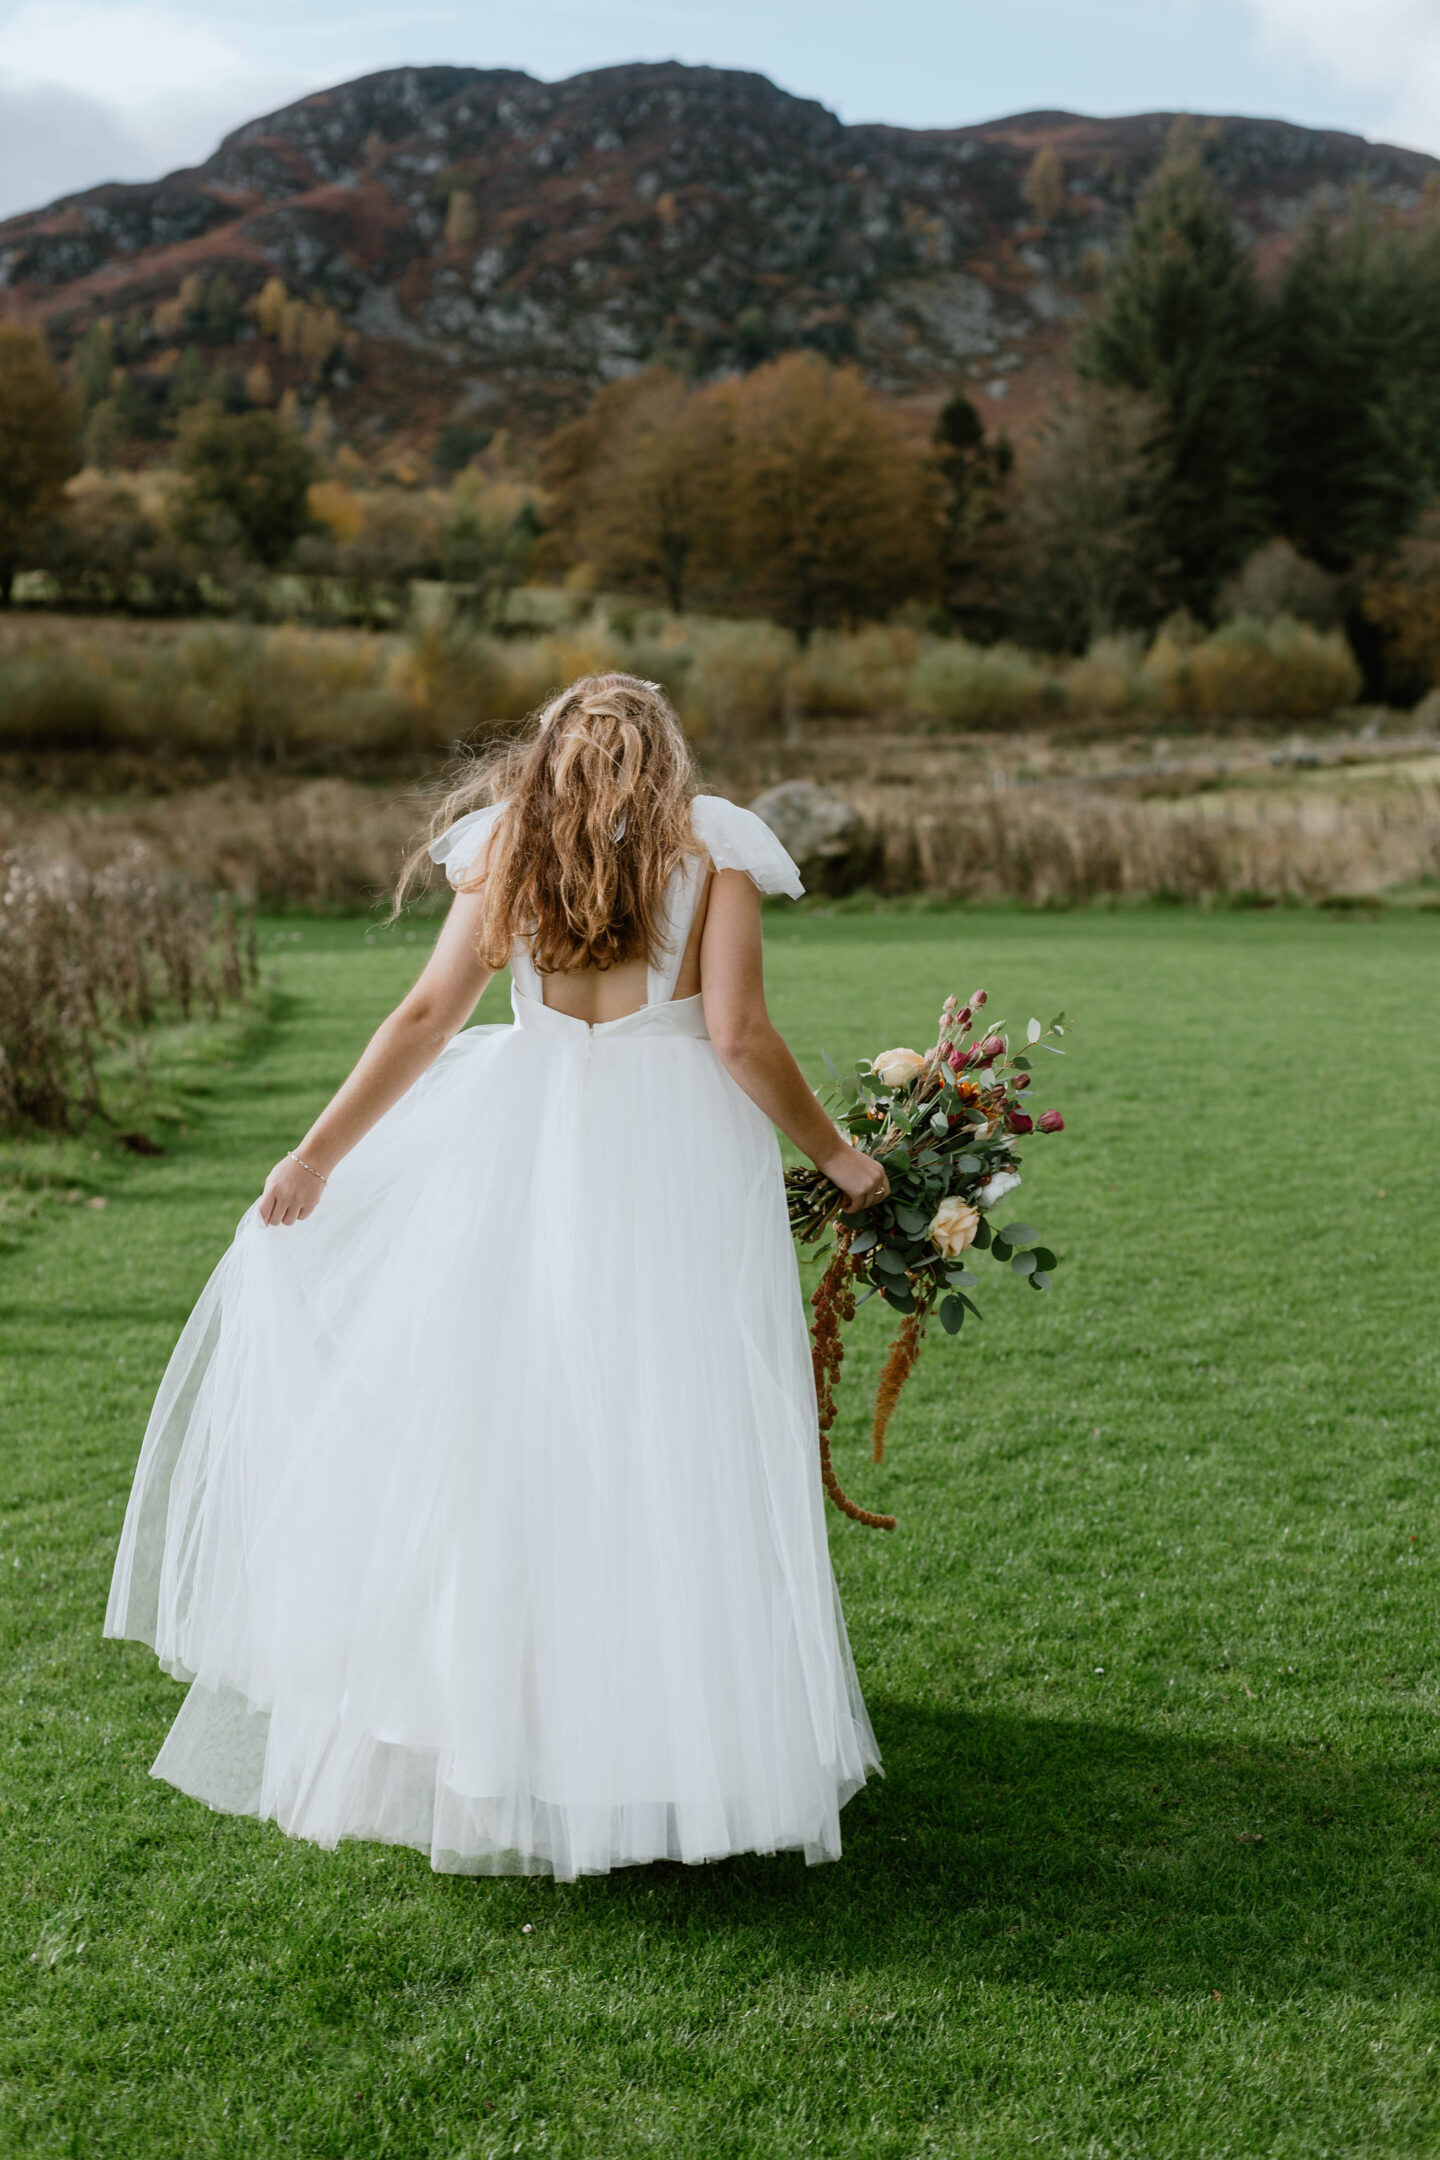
[(290, 1152)]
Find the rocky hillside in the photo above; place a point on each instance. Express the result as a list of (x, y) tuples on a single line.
[(487, 247)]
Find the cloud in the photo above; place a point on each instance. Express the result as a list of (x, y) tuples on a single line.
[(53, 141), (1389, 48), (130, 91)]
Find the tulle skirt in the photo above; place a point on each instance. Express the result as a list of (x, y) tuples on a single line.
[(482, 1510)]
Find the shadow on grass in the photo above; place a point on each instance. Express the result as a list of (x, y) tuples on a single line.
[(1082, 1857)]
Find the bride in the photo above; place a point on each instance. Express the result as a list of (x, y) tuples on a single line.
[(480, 1505)]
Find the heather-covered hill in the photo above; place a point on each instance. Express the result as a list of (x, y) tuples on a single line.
[(492, 247)]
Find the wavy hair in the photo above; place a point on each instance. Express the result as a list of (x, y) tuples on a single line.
[(596, 793)]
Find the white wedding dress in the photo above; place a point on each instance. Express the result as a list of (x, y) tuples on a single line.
[(482, 1509)]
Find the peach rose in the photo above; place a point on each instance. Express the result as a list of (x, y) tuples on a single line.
[(954, 1227), (896, 1067)]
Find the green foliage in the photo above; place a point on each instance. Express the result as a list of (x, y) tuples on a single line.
[(458, 443), (251, 469), (222, 311), (983, 686), (973, 472), (1088, 530), (1203, 1478), (1181, 322), (189, 384), (104, 436), (37, 444), (92, 364), (1353, 406)]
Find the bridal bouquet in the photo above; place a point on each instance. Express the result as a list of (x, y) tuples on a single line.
[(946, 1124)]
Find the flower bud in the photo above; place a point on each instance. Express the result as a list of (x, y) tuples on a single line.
[(978, 998), (964, 1016), (1018, 1122), (1021, 1080), (993, 1046), (1051, 1121), (957, 1059)]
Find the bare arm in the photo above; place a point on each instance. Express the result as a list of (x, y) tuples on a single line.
[(751, 1048), (402, 1047)]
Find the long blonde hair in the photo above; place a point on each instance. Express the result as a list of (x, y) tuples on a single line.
[(596, 793)]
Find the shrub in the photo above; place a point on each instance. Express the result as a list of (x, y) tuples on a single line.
[(738, 679), (1109, 678), (1257, 670), (861, 672), (983, 686)]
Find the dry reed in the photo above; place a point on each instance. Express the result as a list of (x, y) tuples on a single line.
[(88, 960)]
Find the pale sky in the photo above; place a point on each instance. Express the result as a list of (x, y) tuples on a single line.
[(127, 89)]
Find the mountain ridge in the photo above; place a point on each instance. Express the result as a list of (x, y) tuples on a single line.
[(493, 247)]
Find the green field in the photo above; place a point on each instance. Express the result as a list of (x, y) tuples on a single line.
[(1151, 1656)]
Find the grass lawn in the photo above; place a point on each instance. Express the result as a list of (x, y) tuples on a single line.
[(1151, 1656)]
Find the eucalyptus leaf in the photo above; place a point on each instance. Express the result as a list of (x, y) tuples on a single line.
[(1033, 1031), (889, 1262), (830, 1066), (999, 1250), (911, 1220), (970, 1305), (1023, 1263), (961, 1279), (983, 1235), (863, 1242), (1039, 1280), (1020, 1233), (952, 1315), (1021, 1064), (1045, 1260), (898, 1300)]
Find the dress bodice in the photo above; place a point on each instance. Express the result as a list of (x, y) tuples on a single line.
[(725, 835)]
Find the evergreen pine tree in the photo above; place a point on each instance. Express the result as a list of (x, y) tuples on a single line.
[(1353, 397), (1181, 322)]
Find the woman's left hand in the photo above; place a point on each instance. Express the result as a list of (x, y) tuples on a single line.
[(290, 1194)]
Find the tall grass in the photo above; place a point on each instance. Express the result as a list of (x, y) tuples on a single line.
[(1065, 848), (89, 958)]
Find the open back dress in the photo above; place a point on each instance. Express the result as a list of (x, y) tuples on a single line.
[(481, 1510)]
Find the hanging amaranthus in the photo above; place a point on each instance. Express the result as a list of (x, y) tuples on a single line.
[(945, 1124), (898, 1366), (833, 1303)]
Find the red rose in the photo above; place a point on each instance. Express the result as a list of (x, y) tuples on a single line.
[(993, 1046), (1019, 1122), (1051, 1121)]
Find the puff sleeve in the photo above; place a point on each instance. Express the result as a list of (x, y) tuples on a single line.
[(458, 846), (736, 839)]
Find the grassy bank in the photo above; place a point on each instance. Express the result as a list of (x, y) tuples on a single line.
[(1151, 1656)]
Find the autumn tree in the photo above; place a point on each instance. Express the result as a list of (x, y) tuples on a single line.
[(833, 506), (1045, 185), (37, 444), (249, 468), (639, 485)]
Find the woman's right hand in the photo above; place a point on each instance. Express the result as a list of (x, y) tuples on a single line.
[(859, 1176), (291, 1193)]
